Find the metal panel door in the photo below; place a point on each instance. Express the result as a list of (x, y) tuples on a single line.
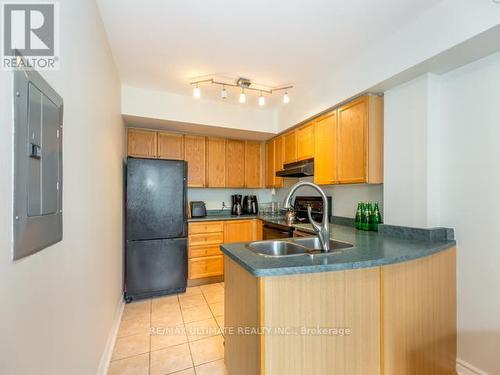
[(156, 199), (156, 267)]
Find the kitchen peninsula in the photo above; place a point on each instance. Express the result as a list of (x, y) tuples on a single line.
[(387, 305)]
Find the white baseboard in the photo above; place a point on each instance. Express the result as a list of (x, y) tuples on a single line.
[(464, 368), (110, 343)]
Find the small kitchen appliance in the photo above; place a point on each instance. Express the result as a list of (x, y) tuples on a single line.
[(198, 209), (236, 207)]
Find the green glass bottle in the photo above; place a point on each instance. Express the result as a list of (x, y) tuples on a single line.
[(374, 221), (357, 219), (376, 217), (365, 218)]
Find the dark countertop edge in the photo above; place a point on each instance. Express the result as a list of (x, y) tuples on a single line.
[(283, 271), (221, 218)]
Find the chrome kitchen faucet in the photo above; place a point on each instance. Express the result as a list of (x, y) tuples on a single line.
[(323, 229)]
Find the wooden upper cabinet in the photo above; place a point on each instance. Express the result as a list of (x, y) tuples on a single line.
[(270, 163), (194, 154), (325, 149), (141, 143), (305, 141), (253, 164), (235, 163), (278, 160), (170, 146), (216, 162), (290, 147), (359, 145)]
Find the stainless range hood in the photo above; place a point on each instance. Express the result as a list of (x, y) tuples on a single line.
[(302, 168)]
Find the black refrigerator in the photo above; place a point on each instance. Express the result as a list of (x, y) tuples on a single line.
[(156, 228)]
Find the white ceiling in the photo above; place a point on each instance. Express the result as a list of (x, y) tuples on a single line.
[(162, 44)]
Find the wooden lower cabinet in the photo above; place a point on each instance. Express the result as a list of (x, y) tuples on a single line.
[(205, 259), (239, 231), (206, 266), (390, 320)]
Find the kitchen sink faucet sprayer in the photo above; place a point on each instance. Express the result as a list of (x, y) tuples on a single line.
[(323, 229)]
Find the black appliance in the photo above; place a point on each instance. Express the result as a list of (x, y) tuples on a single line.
[(276, 230), (198, 209), (280, 229), (236, 207), (303, 168), (300, 207), (156, 228), (250, 205)]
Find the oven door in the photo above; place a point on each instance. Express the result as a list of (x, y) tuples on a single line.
[(273, 231)]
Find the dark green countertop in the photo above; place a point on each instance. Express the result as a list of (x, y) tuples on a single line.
[(370, 249)]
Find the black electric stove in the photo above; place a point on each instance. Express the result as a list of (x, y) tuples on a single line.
[(279, 228)]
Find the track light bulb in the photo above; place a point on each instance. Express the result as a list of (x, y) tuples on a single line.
[(286, 98), (262, 100), (243, 97), (197, 92), (223, 93)]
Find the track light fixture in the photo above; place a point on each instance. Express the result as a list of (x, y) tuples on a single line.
[(243, 84), (243, 97), (262, 100), (196, 92), (286, 98)]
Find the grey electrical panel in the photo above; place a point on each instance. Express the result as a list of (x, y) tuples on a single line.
[(38, 118)]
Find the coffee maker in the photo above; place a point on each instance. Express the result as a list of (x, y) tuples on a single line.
[(254, 206), (236, 208), (250, 205)]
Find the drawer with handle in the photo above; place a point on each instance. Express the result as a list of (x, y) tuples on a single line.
[(206, 227), (206, 267), (203, 251), (206, 239)]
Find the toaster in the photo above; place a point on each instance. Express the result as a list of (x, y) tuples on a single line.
[(198, 209)]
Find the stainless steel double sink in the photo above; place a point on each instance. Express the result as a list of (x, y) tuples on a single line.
[(295, 247)]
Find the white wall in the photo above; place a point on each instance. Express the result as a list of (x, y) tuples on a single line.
[(163, 105), (442, 167), (469, 203), (422, 38), (411, 160), (59, 305)]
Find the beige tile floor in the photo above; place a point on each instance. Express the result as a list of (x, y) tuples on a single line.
[(180, 335)]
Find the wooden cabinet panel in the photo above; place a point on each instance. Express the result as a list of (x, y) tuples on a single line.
[(290, 147), (278, 160), (235, 163), (419, 315), (270, 163), (352, 141), (253, 164), (170, 146), (194, 154), (206, 227), (239, 231), (141, 143), (305, 141), (206, 239), (325, 149), (206, 267), (216, 162), (203, 251)]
